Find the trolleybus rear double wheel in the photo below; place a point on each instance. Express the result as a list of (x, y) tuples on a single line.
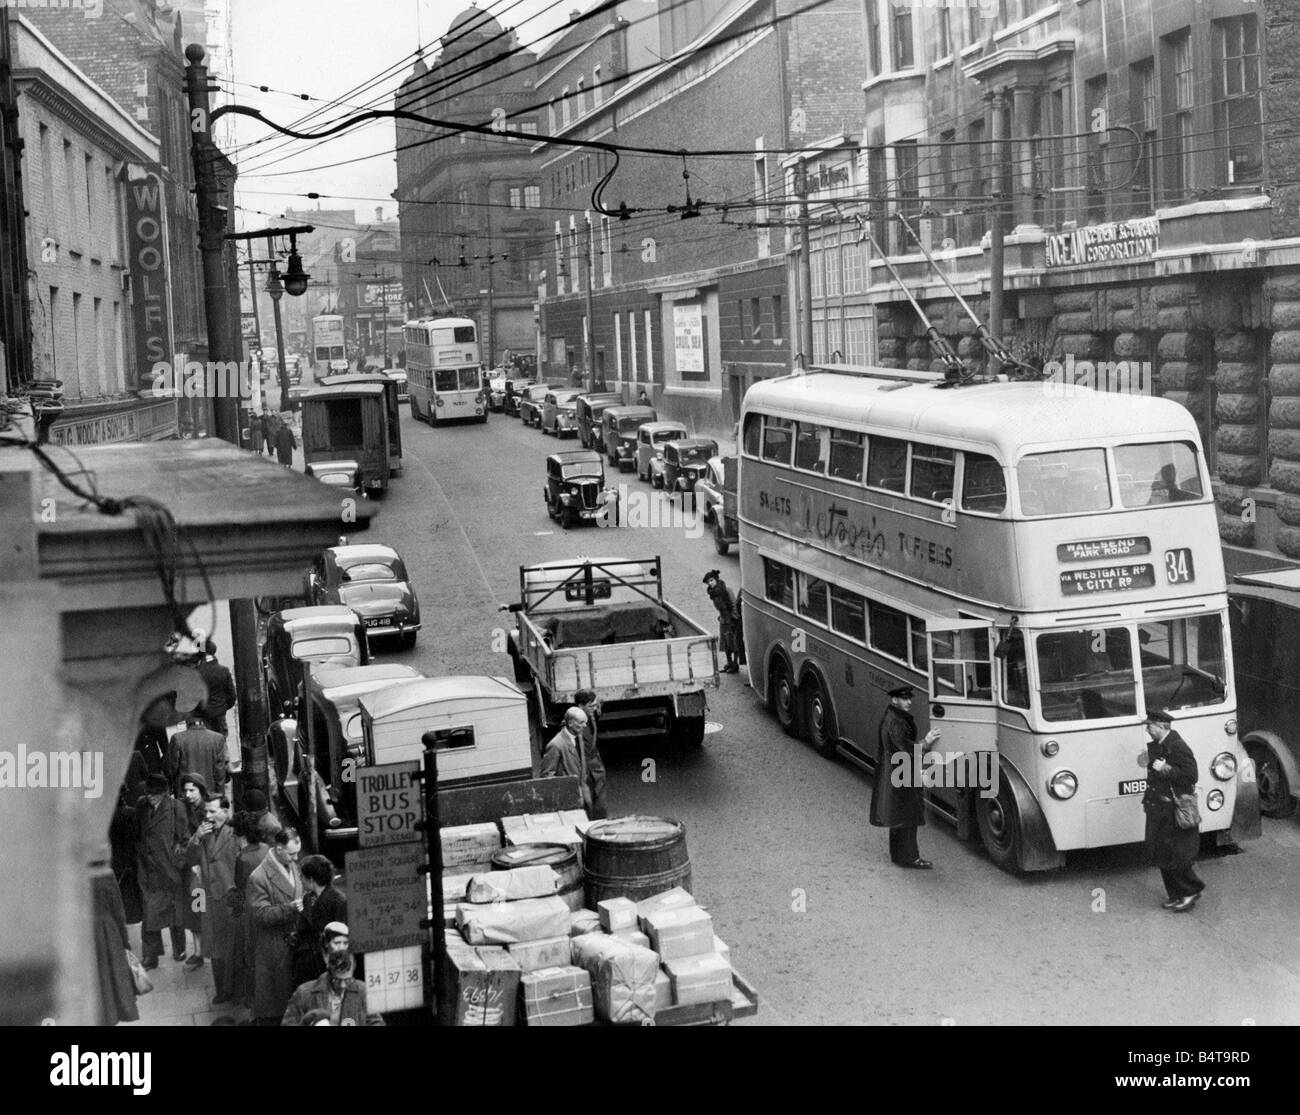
[(783, 699), (819, 718), (999, 824)]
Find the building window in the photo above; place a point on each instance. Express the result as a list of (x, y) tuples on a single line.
[(564, 106), (974, 23), (878, 192), (906, 173), (756, 315), (649, 351), (606, 253), (740, 316), (1095, 109), (1237, 100), (532, 197), (550, 117), (1144, 111), (516, 197), (778, 318), (1178, 154), (462, 200), (559, 260), (873, 38), (597, 94), (854, 260), (90, 201), (831, 264), (582, 96), (764, 235), (70, 190), (528, 127), (575, 258), (943, 31), (904, 58)]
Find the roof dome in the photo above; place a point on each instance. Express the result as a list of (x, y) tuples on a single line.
[(472, 21)]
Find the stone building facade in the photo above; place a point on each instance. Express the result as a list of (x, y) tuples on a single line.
[(1146, 190)]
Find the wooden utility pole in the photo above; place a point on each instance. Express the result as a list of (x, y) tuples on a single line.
[(805, 264)]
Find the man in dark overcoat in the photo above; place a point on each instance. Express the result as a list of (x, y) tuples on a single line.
[(896, 798), (198, 750), (274, 903), (594, 764), (213, 849), (162, 830), (1171, 769), (323, 903)]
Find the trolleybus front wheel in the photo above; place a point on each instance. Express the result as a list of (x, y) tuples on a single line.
[(999, 824), (1275, 798)]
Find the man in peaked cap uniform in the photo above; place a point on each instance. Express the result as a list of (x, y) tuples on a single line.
[(896, 803)]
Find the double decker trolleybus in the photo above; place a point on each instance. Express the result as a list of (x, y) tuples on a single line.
[(328, 353), (1047, 571), (443, 373)]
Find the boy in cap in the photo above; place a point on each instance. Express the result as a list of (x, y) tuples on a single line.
[(336, 993), (726, 606), (896, 804)]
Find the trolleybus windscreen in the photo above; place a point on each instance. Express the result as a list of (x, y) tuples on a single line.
[(1068, 482), (1086, 675), (1165, 472), (1182, 662)]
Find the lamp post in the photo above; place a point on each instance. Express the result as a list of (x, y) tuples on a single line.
[(275, 288)]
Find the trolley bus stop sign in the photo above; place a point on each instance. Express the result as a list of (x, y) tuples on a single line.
[(387, 897), (388, 804)]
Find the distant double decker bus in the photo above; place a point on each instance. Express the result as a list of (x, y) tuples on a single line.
[(328, 351), (1044, 570), (443, 371)]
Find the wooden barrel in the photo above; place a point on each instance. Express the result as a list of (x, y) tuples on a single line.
[(560, 857), (635, 857)]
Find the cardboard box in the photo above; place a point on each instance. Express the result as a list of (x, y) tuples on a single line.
[(583, 921), (674, 899), (469, 844), (699, 979), (616, 914), (550, 952), (633, 937), (558, 996), (504, 923), (685, 931), (482, 987), (622, 976), (556, 834), (663, 991), (721, 948), (514, 885), (455, 886)]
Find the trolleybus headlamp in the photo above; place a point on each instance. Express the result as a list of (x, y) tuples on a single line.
[(1049, 748), (1214, 800), (1063, 785), (440, 402), (1224, 766), (1230, 727)]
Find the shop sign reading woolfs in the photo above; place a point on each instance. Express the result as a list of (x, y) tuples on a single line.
[(148, 264)]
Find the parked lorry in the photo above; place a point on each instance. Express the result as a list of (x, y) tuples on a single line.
[(603, 624), (349, 423), (393, 394)]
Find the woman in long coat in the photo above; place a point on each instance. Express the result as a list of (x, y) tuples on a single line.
[(116, 984), (249, 860), (275, 895), (1171, 769)]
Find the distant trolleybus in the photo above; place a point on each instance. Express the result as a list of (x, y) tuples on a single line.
[(1045, 570), (328, 353), (443, 373)]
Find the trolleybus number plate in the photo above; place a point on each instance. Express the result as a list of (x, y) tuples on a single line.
[(1111, 578), (1178, 567), (1133, 786)]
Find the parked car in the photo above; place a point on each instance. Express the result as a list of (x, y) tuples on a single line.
[(398, 376), (575, 488), (685, 461), (531, 400), (716, 496), (590, 407), (514, 388), (559, 413), (1264, 616), (619, 426), (373, 582), (323, 636), (650, 441)]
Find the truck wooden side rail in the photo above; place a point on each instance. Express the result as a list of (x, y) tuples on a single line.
[(604, 625)]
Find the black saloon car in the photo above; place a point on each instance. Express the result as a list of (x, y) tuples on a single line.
[(373, 582), (575, 489)]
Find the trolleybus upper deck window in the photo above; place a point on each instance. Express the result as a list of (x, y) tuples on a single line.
[(753, 433), (887, 464), (983, 486), (1067, 482), (933, 468), (846, 455), (812, 447), (778, 433), (1163, 472)]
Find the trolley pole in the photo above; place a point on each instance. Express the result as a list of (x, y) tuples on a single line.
[(805, 264), (997, 248)]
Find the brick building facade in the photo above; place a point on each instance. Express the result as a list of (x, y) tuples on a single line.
[(694, 307)]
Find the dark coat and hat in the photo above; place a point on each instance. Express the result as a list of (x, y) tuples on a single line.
[(895, 806), (161, 834), (1171, 848), (270, 898)]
